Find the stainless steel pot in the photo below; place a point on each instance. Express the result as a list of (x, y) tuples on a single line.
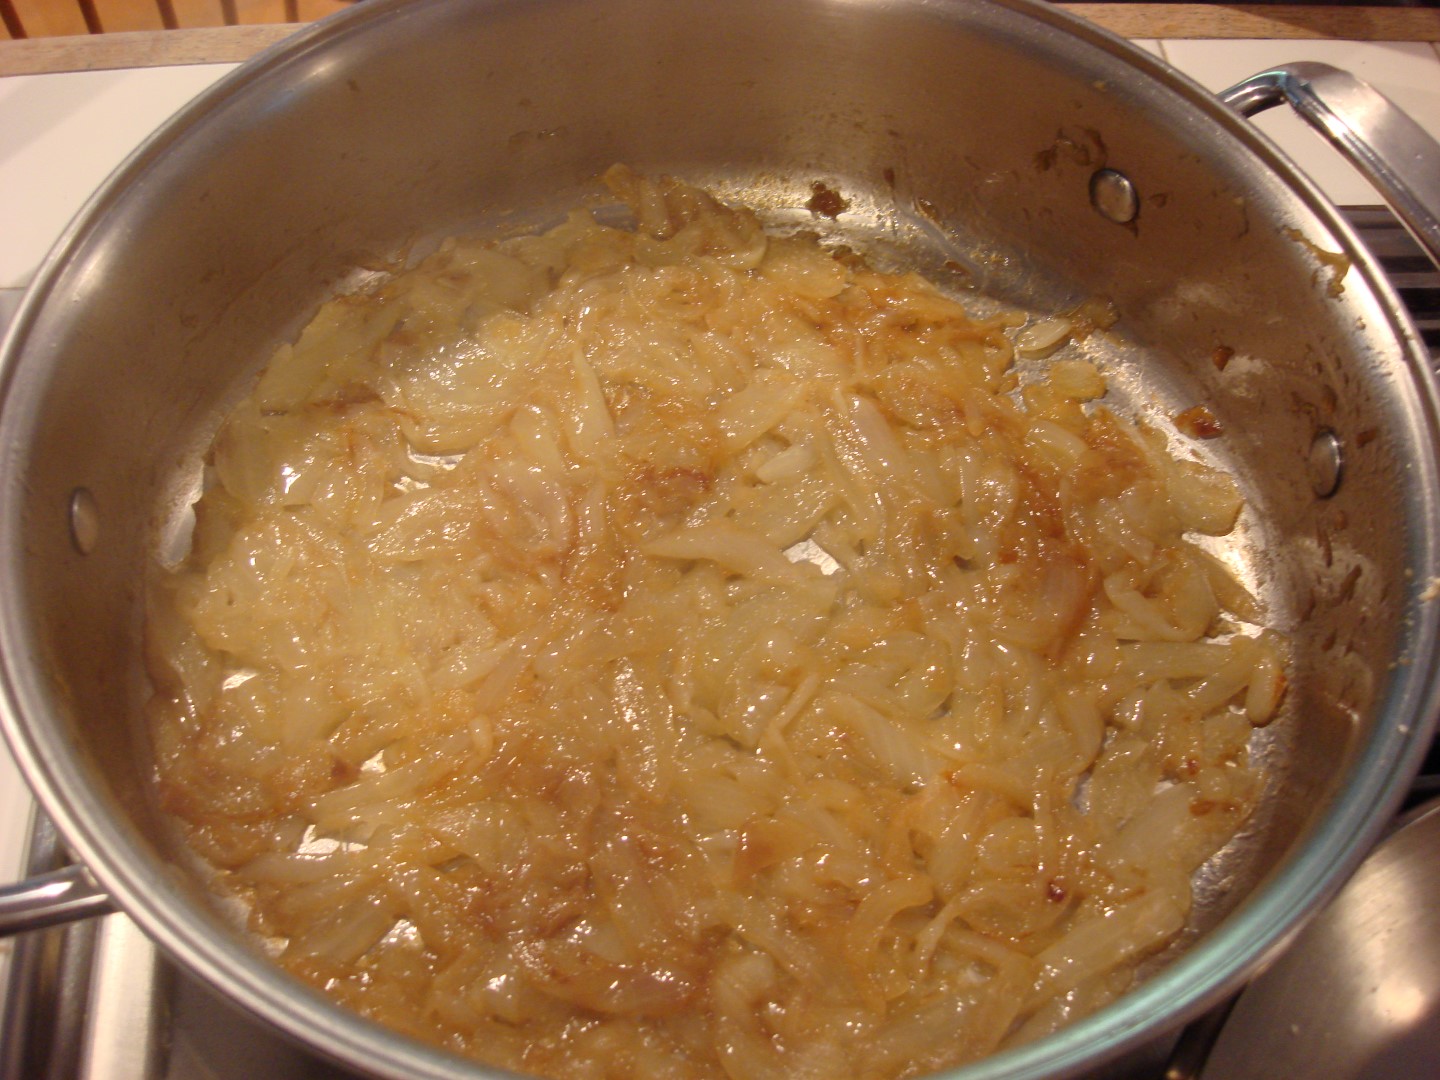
[(1051, 160)]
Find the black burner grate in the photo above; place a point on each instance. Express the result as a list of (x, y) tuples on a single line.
[(1409, 269)]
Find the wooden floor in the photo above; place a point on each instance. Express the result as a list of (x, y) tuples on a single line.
[(55, 18)]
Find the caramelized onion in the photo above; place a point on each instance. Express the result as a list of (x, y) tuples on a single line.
[(683, 652)]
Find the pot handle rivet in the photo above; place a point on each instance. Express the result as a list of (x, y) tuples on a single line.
[(84, 520), (1326, 464), (1113, 194)]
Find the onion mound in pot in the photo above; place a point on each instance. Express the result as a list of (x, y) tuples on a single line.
[(689, 652)]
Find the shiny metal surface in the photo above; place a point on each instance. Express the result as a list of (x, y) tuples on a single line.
[(1396, 154), (60, 896), (123, 1024), (1415, 277), (42, 1028), (372, 134), (1358, 993), (1114, 196)]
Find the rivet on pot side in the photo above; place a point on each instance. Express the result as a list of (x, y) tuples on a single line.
[(1114, 196), (84, 520), (1326, 464)]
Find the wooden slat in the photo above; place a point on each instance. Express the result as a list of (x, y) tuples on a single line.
[(49, 18), (10, 20), (88, 12), (310, 10), (255, 12), (284, 11), (216, 44), (121, 16), (201, 45), (42, 18), (189, 13)]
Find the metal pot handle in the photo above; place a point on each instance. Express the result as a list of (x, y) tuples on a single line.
[(58, 897), (1394, 153)]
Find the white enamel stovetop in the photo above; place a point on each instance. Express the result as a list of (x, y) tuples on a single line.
[(61, 134)]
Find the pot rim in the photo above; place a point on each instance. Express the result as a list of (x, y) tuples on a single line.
[(1194, 982)]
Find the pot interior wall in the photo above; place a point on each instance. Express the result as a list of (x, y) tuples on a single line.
[(959, 133)]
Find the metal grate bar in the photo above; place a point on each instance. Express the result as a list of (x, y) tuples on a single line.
[(1412, 273)]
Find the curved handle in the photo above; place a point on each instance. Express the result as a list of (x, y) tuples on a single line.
[(62, 896), (1395, 153)]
